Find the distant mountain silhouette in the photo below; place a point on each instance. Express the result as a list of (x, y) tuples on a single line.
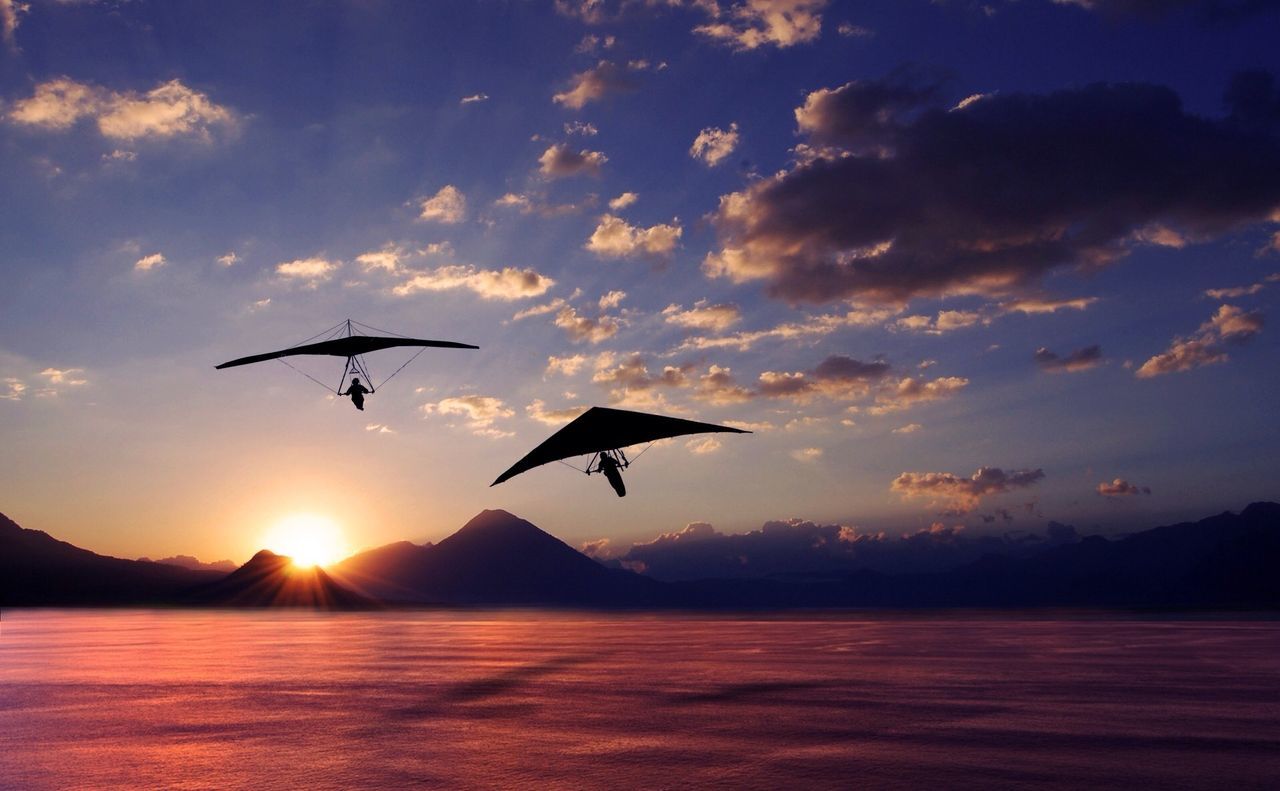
[(271, 580), (191, 562), (37, 569), (496, 558)]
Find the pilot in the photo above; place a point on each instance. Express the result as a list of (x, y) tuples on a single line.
[(357, 392), (610, 467)]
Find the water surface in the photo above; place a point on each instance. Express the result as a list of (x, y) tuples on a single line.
[(182, 699)]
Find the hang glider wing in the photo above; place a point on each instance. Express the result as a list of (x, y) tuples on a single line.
[(601, 428), (350, 346)]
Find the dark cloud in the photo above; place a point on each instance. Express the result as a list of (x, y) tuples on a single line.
[(988, 196), (799, 546), (1079, 360), (1208, 10)]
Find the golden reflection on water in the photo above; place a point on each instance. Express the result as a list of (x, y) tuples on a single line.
[(217, 699)]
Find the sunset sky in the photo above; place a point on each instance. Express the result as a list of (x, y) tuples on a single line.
[(982, 264)]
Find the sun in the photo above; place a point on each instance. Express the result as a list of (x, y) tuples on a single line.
[(309, 539)]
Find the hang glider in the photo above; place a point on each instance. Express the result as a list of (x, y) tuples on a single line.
[(348, 340), (603, 431), (351, 346)]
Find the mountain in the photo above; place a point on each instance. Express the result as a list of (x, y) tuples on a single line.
[(191, 562), (496, 558), (37, 569), (271, 580)]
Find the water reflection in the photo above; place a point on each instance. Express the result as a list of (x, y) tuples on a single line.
[(284, 700)]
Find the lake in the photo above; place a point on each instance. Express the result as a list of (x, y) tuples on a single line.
[(264, 700)]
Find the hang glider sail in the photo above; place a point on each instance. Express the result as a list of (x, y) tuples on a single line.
[(348, 340), (604, 432)]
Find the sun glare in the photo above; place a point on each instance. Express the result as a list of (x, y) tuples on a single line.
[(309, 539)]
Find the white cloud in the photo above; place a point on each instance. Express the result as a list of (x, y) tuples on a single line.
[(713, 145), (538, 411), (1228, 324), (448, 206), (475, 97), (313, 270), (615, 238), (502, 284), (149, 262), (567, 366), (759, 23), (910, 428), (166, 111), (703, 316), (807, 454), (612, 300), (479, 413), (623, 201), (703, 445), (229, 259), (580, 128)]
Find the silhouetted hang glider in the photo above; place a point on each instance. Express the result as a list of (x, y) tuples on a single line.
[(348, 340), (603, 432)]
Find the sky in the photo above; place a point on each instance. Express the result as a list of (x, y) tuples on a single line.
[(956, 265)]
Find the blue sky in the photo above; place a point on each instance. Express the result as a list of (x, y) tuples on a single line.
[(852, 227)]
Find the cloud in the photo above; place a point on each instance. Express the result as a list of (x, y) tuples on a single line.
[(585, 328), (479, 413), (149, 262), (615, 238), (701, 446), (596, 83), (1037, 305), (945, 321), (169, 110), (1206, 347), (1235, 292), (1213, 11), (475, 97), (850, 30), (963, 494), (611, 299), (312, 270), (718, 386), (448, 206), (580, 128), (809, 327), (10, 13), (909, 391), (538, 411), (703, 316), (504, 284), (591, 43), (1121, 488), (713, 145), (807, 454), (910, 428), (1079, 360), (560, 161), (752, 24), (68, 377), (567, 366), (228, 259), (800, 546), (908, 198), (632, 376), (623, 201), (12, 388)]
